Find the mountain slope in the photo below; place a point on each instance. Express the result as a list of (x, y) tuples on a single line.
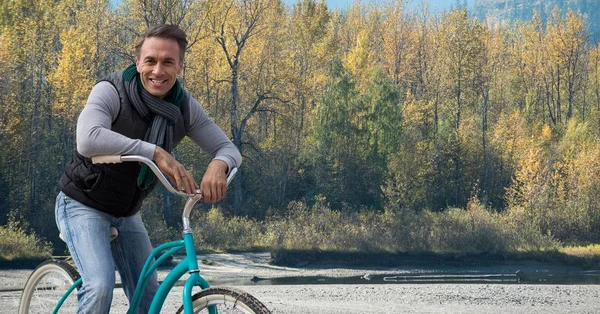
[(502, 11)]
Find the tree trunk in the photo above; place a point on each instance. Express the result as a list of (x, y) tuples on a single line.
[(484, 125), (558, 104), (237, 138)]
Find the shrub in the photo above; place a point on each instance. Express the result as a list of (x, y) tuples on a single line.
[(475, 229), (16, 243), (216, 231)]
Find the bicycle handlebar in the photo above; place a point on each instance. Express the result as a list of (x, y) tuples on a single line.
[(193, 198), (117, 159)]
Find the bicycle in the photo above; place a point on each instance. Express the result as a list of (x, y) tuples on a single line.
[(49, 287)]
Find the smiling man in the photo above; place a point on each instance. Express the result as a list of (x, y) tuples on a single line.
[(158, 62), (142, 110)]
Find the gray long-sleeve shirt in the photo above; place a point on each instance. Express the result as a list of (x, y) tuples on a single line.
[(95, 137)]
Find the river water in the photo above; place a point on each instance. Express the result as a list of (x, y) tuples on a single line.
[(507, 288)]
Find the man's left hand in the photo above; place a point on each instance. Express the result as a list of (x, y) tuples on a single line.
[(214, 182)]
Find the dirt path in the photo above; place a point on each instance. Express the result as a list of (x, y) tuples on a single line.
[(238, 269)]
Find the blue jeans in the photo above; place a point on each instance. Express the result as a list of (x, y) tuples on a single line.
[(87, 234)]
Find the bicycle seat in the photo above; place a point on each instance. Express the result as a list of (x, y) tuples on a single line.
[(113, 234)]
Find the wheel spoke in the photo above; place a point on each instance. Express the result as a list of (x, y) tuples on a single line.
[(226, 301), (46, 286)]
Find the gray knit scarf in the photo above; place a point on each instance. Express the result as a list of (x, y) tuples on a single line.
[(161, 113)]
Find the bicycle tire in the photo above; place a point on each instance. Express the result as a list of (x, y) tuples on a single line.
[(227, 300), (46, 285)]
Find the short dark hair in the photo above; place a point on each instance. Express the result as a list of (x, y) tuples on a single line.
[(169, 31)]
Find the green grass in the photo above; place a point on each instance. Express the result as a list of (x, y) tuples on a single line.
[(588, 255), (588, 251)]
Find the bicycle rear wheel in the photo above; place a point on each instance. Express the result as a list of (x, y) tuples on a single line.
[(46, 285), (226, 301)]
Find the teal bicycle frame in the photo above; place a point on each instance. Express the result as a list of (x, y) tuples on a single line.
[(189, 264)]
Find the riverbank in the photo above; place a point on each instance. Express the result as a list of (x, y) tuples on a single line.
[(285, 257), (387, 259), (255, 273)]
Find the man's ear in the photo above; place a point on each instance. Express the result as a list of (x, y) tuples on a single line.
[(180, 67)]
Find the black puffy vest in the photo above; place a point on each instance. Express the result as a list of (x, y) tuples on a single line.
[(112, 188)]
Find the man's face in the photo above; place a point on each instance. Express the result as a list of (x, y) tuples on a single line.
[(158, 64)]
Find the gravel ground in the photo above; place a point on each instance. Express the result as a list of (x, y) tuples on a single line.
[(237, 269)]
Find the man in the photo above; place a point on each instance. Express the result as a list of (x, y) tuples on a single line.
[(142, 110)]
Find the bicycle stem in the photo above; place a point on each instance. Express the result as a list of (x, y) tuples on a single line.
[(192, 200), (185, 216)]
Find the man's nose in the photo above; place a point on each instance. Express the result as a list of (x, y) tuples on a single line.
[(158, 68)]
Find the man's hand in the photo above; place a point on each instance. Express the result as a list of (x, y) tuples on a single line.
[(214, 182), (175, 171)]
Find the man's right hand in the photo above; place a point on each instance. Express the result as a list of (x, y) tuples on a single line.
[(175, 171)]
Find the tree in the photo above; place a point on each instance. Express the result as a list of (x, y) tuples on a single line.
[(595, 74), (234, 25), (340, 135), (309, 25), (384, 117), (574, 38), (399, 50), (32, 31), (463, 49), (364, 27), (81, 61)]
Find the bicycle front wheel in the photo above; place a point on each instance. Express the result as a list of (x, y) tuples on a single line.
[(226, 301), (46, 285)]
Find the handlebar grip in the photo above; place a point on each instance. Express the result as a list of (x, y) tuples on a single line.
[(107, 159), (231, 175)]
